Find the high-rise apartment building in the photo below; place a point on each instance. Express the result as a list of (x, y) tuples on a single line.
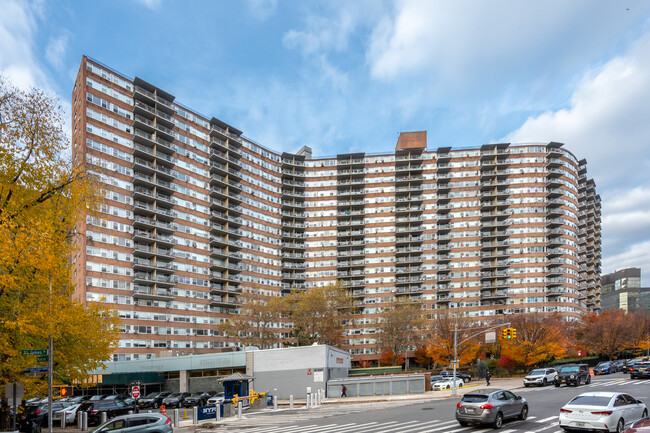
[(622, 290), (196, 213)]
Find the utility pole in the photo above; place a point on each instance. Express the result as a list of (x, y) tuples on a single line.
[(50, 367)]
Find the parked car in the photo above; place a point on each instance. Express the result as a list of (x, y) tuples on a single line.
[(603, 411), (640, 426), (218, 398), (37, 412), (490, 407), (153, 399), (198, 399), (175, 400), (112, 408), (572, 374), (605, 367), (436, 378), (465, 377), (447, 383), (69, 412), (137, 423), (619, 364), (640, 370), (540, 377), (95, 397), (630, 363)]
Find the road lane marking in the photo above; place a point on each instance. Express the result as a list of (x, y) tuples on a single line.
[(550, 418), (421, 427)]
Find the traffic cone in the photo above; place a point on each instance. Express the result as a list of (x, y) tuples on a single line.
[(185, 414), (163, 410)]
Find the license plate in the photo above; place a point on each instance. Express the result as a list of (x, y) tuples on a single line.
[(563, 380), (469, 410), (580, 424)]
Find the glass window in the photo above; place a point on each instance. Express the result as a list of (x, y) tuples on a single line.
[(138, 421)]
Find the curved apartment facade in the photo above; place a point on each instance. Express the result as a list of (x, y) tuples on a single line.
[(195, 214)]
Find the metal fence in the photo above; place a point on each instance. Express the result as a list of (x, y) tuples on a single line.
[(377, 385)]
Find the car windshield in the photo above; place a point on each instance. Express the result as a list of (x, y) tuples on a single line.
[(590, 400), (151, 395), (96, 397), (174, 395), (603, 364), (196, 394), (571, 369), (537, 373), (475, 398)]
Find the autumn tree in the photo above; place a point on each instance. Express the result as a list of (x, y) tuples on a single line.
[(317, 314), (440, 346), (400, 327), (255, 323), (540, 338), (612, 332), (42, 198)]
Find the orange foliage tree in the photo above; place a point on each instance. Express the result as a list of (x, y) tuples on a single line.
[(614, 331), (440, 347), (399, 328), (42, 198), (539, 339)]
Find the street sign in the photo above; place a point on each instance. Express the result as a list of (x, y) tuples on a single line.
[(42, 358), (136, 383), (20, 391), (455, 361), (36, 352), (35, 370), (135, 391), (490, 337)]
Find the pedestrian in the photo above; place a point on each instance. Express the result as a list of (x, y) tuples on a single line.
[(487, 377), (343, 391)]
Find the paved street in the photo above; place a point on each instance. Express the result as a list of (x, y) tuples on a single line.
[(423, 416)]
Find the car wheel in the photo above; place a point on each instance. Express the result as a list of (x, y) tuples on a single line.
[(448, 386), (463, 423), (465, 379), (498, 421), (544, 382), (524, 413), (557, 385), (155, 405), (620, 426), (525, 385)]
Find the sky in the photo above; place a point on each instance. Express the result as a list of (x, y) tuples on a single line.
[(348, 76)]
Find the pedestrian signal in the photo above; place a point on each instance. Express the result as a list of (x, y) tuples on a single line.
[(65, 391)]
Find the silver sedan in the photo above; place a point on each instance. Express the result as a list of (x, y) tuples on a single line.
[(490, 407), (605, 411)]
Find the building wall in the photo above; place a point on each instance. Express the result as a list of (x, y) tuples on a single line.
[(196, 214)]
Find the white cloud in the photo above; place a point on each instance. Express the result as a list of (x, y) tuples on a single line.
[(262, 9), (636, 256), (467, 49), (55, 50), (17, 61), (151, 4)]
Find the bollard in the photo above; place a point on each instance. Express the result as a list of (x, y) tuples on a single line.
[(195, 414), (130, 412), (103, 418), (275, 402), (177, 419), (79, 420), (84, 426), (218, 405), (63, 417), (239, 408), (307, 401), (291, 401), (318, 398)]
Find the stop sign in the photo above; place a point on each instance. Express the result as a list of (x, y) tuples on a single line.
[(135, 391)]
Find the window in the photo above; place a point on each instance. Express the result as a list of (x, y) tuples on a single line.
[(138, 421), (116, 425)]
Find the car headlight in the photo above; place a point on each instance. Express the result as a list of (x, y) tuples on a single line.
[(572, 377)]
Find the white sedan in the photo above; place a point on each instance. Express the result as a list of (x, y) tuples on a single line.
[(447, 384), (70, 414), (606, 411)]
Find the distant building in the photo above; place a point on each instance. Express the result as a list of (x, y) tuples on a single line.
[(622, 290)]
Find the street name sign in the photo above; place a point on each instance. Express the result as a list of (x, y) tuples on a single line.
[(35, 370), (34, 352)]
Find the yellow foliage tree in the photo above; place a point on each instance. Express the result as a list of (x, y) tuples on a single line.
[(539, 339), (440, 347), (42, 197)]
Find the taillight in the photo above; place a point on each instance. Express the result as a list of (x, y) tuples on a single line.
[(37, 412), (459, 405), (169, 421), (565, 410), (94, 411), (486, 406), (602, 412)]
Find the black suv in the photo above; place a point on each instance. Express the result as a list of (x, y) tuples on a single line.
[(447, 374), (153, 399), (36, 414), (112, 408), (641, 370), (572, 374)]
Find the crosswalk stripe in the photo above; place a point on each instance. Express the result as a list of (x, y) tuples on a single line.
[(415, 428), (278, 429), (328, 427), (550, 418)]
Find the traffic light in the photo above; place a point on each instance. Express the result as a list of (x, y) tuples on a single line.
[(513, 331), (504, 333), (65, 391)]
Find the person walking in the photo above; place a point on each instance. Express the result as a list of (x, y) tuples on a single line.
[(344, 390), (487, 377)]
